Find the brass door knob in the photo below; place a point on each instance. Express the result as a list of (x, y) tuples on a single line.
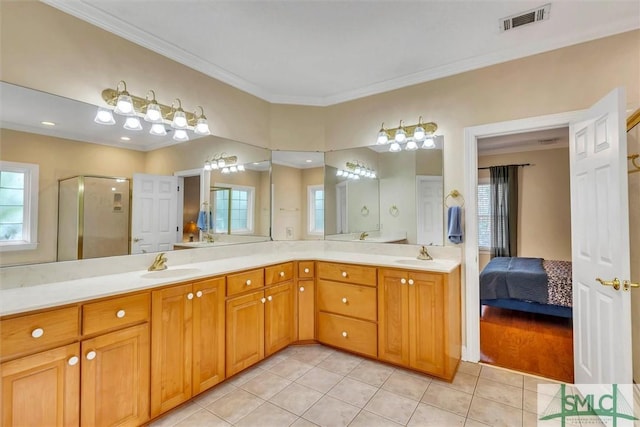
[(626, 285), (615, 283)]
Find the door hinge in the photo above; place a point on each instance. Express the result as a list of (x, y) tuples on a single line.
[(178, 228)]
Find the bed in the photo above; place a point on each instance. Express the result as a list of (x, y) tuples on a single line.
[(534, 285)]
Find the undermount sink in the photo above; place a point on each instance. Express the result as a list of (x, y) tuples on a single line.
[(170, 273)]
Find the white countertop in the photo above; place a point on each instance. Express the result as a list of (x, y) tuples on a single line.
[(28, 298)]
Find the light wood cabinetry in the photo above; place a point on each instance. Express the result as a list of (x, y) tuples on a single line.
[(419, 320), (279, 325), (346, 307), (187, 336), (306, 301)]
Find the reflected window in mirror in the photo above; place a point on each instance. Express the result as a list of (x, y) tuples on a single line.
[(315, 200), (18, 205), (233, 211)]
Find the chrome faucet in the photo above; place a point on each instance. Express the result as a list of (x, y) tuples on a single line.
[(424, 254), (158, 263), (363, 235)]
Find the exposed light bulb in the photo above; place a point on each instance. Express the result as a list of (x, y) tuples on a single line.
[(383, 136), (179, 120), (153, 114), (104, 117), (158, 129), (418, 133), (132, 123), (401, 135), (202, 127), (124, 105), (180, 135)]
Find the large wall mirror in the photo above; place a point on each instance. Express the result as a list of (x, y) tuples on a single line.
[(379, 196), (73, 153)]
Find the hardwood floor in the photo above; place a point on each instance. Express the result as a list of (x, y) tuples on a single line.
[(532, 343)]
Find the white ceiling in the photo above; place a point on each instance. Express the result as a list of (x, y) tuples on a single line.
[(526, 141), (325, 52)]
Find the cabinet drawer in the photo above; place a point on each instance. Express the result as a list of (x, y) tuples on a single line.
[(347, 273), (31, 333), (349, 300), (354, 335), (113, 313), (305, 270), (278, 273), (245, 281)]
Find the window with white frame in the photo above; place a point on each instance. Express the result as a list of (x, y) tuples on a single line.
[(18, 206), (234, 209), (484, 214), (315, 208)]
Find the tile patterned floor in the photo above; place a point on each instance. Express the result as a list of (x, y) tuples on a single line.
[(315, 385)]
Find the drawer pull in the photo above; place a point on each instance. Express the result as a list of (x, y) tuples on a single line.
[(37, 332), (403, 280), (190, 295), (269, 298), (248, 282), (263, 300), (411, 281), (344, 334), (282, 274), (91, 355), (199, 294), (344, 274), (306, 270), (301, 288), (345, 300), (73, 360), (120, 314)]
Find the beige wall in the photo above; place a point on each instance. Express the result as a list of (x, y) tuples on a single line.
[(633, 147), (544, 203), (287, 203)]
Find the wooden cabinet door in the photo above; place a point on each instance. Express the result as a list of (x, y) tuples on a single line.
[(208, 334), (393, 316), (245, 331), (171, 347), (279, 319), (42, 389), (426, 323), (306, 310), (115, 378)]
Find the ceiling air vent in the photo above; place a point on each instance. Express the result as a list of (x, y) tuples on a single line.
[(529, 17)]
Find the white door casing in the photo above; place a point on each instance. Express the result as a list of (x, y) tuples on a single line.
[(600, 243), (429, 216), (153, 213)]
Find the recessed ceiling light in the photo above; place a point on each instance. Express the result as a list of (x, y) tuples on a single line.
[(48, 123), (308, 161), (125, 138)]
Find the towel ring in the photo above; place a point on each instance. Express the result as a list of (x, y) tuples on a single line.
[(454, 194), (364, 211), (394, 211)]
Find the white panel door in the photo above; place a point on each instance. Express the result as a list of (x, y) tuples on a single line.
[(429, 210), (600, 243), (154, 213)]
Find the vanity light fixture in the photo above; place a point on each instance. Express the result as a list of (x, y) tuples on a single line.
[(226, 164), (408, 137), (356, 170), (134, 108)]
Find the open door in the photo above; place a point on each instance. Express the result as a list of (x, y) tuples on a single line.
[(600, 244), (154, 213)]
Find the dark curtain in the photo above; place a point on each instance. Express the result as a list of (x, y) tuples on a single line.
[(504, 209)]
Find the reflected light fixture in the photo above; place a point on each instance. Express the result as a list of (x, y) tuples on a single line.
[(180, 135), (104, 117), (158, 129), (356, 170), (408, 137), (226, 164), (132, 123)]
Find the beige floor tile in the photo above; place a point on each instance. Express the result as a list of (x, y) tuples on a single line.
[(470, 368), (530, 401), (267, 415), (447, 398), (235, 405), (531, 383), (331, 412), (493, 413), (312, 355), (272, 360), (530, 419), (372, 373), (430, 416), (473, 423), (208, 397), (499, 392), (244, 376), (340, 363), (409, 386), (502, 376), (301, 422), (392, 406), (202, 418), (296, 398), (352, 391), (369, 419), (462, 382), (176, 415), (265, 385), (319, 379), (290, 369)]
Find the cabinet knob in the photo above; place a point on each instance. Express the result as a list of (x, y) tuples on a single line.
[(263, 300), (411, 281), (282, 274), (306, 270), (344, 300), (120, 314), (344, 334), (344, 274), (403, 280), (199, 294), (190, 295), (73, 360), (301, 288), (91, 355), (248, 282), (37, 332), (269, 298)]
